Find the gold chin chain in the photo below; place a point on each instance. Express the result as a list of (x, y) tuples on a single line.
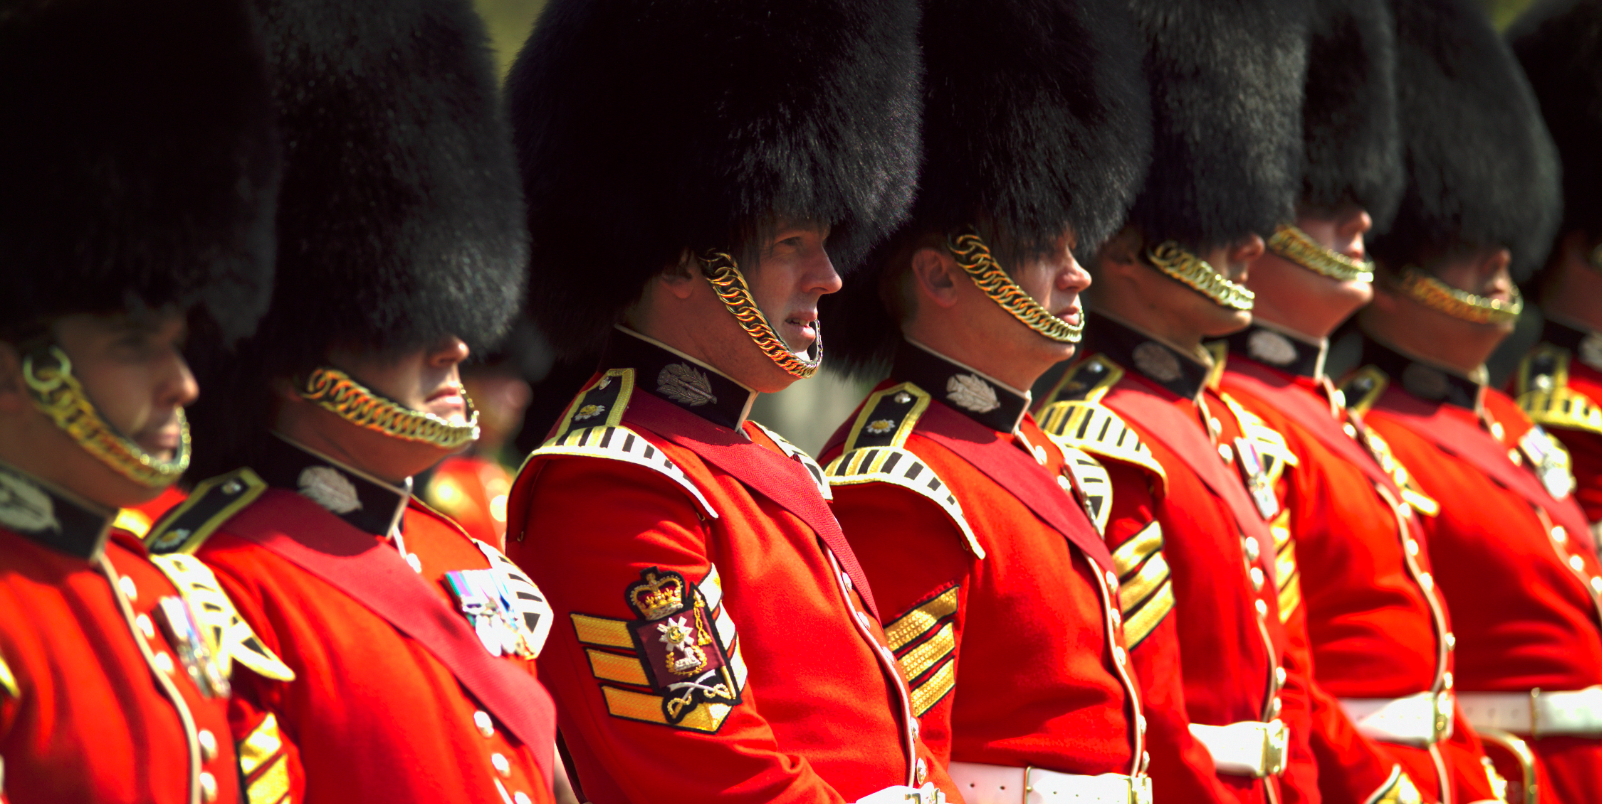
[(720, 271), (976, 260), (48, 374), (1293, 245), (336, 392), (1187, 268), (1463, 305)]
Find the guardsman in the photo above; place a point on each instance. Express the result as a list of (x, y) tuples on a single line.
[(692, 170), (1558, 384), (1378, 627), (1191, 545), (995, 583), (1510, 549), (413, 645), (138, 190)]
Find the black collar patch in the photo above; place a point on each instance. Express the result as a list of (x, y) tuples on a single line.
[(963, 389), (1172, 369), (1428, 381), (1279, 349), (683, 381), (363, 501), (50, 516), (1582, 343)]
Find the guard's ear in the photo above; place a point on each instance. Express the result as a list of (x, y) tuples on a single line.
[(935, 273), (678, 278), (1122, 253)]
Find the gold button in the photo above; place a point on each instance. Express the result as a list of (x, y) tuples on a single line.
[(208, 787), (1113, 617), (1403, 509), (1041, 456), (1063, 482), (1280, 677), (146, 627), (1598, 584), (1261, 607), (1258, 578), (501, 765), (1558, 533), (1412, 546), (913, 726), (1113, 580), (1514, 457), (520, 797), (1250, 546), (1497, 430), (482, 722), (1119, 656), (1426, 581), (1447, 681), (1449, 639), (1275, 707), (1348, 429), (1225, 452), (208, 745), (1214, 426), (1576, 563), (163, 662), (126, 584), (921, 771)]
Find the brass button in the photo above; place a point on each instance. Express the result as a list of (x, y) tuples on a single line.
[(1412, 546), (1113, 616), (1497, 430), (1450, 639), (1275, 707), (913, 726), (1257, 575), (1576, 563), (1261, 607), (1113, 580), (1225, 452), (1119, 656), (1447, 681), (414, 563), (1041, 455), (921, 771), (1063, 482), (520, 797), (146, 627), (208, 745), (1403, 509), (1426, 581), (1214, 426), (1514, 457), (1558, 533), (1280, 677), (482, 722), (1348, 429), (163, 662), (126, 584), (1141, 724), (1250, 546), (1598, 584), (208, 787), (501, 765)]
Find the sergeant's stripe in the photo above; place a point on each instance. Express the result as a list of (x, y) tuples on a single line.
[(919, 652), (602, 631), (925, 655), (916, 623), (1146, 594), (706, 717), (933, 689), (265, 767), (1288, 592)]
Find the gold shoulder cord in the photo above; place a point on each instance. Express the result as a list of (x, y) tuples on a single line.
[(721, 272), (1463, 305), (1175, 262), (335, 391), (1293, 245), (976, 260), (48, 374)]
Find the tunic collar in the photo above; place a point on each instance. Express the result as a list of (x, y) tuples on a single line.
[(365, 502), (52, 516), (1281, 349), (1424, 379), (1173, 369), (680, 379), (985, 399), (1579, 341)]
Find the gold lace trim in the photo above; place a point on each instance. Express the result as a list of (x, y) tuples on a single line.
[(1460, 304), (976, 260), (1292, 244), (336, 392), (1177, 263), (59, 395), (721, 272)]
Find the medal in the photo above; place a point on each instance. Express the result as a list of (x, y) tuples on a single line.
[(1247, 453), (489, 607), (1553, 465), (194, 653)]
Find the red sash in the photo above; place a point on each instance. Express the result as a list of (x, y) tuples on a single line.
[(299, 531), (1308, 411), (1184, 436), (1011, 468), (784, 481), (1457, 436)]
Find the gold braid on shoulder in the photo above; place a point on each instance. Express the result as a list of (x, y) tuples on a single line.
[(1463, 305), (1175, 262), (721, 272), (336, 392), (47, 371), (1293, 245), (976, 260)]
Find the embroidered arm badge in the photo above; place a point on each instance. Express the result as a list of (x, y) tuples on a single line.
[(683, 667), (1289, 592), (1145, 593), (924, 642), (213, 502)]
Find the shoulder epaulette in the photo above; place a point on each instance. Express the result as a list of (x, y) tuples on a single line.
[(1362, 388), (602, 404), (225, 631), (797, 454), (874, 453), (1095, 429), (1542, 390), (1087, 381), (213, 502), (1092, 480), (619, 443)]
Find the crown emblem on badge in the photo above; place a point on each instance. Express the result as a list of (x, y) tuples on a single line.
[(657, 596)]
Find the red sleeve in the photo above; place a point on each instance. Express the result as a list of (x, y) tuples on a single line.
[(584, 556), (1584, 449), (913, 554), (1181, 767)]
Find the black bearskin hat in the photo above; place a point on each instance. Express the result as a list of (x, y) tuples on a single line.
[(1227, 87), (140, 167), (1351, 149), (1558, 45), (1481, 168), (1035, 119), (647, 128)]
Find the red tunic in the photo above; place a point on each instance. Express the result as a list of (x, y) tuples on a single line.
[(1517, 565), (1376, 630), (96, 705), (996, 601), (1228, 630), (385, 707), (1557, 384), (712, 643)]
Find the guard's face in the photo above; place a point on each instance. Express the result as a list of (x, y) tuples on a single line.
[(423, 379), (792, 274), (1294, 296), (134, 372), (1193, 314), (1483, 271), (1055, 279)]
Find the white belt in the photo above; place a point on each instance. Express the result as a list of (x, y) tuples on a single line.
[(1577, 713), (1250, 748), (999, 784), (928, 794), (1421, 720)]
